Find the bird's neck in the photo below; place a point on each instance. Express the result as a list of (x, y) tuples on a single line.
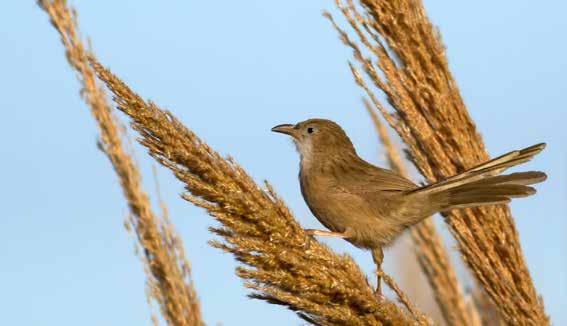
[(326, 163)]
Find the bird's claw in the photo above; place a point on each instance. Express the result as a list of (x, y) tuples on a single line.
[(379, 296), (321, 233)]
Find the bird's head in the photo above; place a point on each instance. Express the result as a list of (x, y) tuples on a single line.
[(316, 137)]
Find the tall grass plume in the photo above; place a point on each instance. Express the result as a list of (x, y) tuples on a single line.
[(168, 272), (401, 55), (281, 264)]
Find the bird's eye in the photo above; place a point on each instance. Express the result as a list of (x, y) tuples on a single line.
[(310, 130)]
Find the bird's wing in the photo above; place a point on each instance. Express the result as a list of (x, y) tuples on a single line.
[(378, 192), (366, 178)]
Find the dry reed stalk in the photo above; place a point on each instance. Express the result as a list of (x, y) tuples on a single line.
[(411, 69), (167, 269), (281, 263), (429, 249), (488, 314)]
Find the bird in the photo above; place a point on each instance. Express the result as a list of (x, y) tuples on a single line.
[(370, 206)]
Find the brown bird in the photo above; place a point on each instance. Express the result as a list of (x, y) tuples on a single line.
[(369, 206)]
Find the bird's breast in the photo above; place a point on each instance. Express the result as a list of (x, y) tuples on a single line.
[(313, 188), (317, 190)]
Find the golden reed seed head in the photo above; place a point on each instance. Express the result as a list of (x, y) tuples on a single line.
[(168, 272), (402, 56), (280, 262)]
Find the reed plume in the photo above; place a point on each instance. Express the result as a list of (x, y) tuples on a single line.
[(168, 272), (428, 247), (401, 54), (281, 264)]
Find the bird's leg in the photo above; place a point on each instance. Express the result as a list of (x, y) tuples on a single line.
[(322, 233), (378, 257)]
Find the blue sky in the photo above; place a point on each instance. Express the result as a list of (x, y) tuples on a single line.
[(230, 71)]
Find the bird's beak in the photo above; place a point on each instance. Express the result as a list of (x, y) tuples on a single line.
[(285, 129)]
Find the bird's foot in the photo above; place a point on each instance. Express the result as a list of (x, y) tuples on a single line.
[(378, 257), (322, 233), (379, 296), (378, 290)]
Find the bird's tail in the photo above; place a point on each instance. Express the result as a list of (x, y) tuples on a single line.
[(482, 185)]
